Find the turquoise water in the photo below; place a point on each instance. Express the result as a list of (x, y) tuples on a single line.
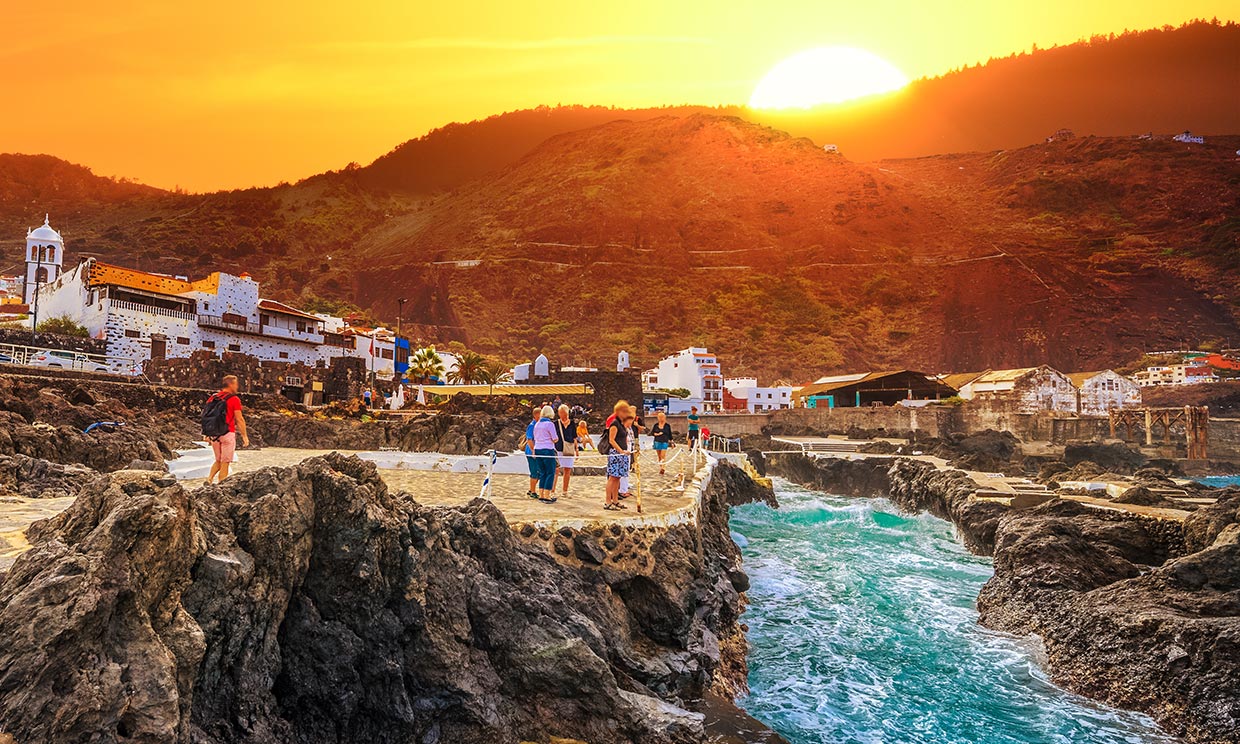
[(1218, 481), (864, 631)]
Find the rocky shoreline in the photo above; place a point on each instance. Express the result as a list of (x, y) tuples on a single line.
[(311, 604), (1138, 612)]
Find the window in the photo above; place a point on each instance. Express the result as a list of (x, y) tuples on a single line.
[(182, 340), (208, 344), (130, 333), (206, 306), (264, 319), (234, 347), (301, 326), (284, 355)]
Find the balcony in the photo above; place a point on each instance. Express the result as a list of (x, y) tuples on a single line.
[(256, 329), (150, 309)]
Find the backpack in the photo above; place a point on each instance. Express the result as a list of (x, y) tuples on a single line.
[(604, 443), (215, 416)]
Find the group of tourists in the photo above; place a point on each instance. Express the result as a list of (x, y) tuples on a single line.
[(556, 435), (552, 440)]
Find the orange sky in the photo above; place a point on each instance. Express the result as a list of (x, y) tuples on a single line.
[(233, 94)]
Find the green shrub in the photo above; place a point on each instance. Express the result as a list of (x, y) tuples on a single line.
[(63, 327)]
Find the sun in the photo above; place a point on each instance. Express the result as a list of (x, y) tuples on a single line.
[(825, 75)]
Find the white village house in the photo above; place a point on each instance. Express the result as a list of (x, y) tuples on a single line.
[(744, 392), (143, 315), (1099, 393), (695, 369), (1027, 390)]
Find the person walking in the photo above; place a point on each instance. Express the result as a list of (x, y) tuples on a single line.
[(662, 434), (222, 421), (694, 426), (568, 440), (545, 436), (618, 456), (527, 444)]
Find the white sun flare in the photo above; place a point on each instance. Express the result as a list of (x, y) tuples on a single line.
[(825, 75)]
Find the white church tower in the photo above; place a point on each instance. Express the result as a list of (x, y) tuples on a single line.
[(45, 256)]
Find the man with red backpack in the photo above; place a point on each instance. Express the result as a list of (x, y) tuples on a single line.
[(221, 421)]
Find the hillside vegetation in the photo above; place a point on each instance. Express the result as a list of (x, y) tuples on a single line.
[(578, 231)]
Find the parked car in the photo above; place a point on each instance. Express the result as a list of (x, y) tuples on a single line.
[(6, 359), (57, 359)]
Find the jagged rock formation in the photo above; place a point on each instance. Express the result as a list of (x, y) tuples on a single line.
[(49, 424), (310, 604), (32, 478), (1139, 612)]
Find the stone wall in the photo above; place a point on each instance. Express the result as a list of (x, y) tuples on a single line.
[(723, 424), (53, 341), (929, 421), (609, 387), (343, 379), (1224, 441)]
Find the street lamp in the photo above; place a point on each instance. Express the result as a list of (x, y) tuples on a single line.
[(34, 321), (400, 312)]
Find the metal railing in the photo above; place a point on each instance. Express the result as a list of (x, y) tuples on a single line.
[(258, 329), (216, 321), (141, 308), (41, 357)]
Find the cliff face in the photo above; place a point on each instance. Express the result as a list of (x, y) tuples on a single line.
[(1126, 612), (310, 604)]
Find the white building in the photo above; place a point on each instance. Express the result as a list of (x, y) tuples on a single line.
[(1098, 393), (1190, 138), (45, 255), (697, 370), (745, 391), (143, 316), (1026, 390), (1175, 374)]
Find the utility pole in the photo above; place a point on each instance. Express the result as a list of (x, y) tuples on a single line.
[(400, 312), (34, 322)]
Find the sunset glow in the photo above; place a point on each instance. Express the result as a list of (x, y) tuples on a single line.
[(826, 75), (238, 94)]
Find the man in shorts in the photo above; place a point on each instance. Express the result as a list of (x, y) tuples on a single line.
[(225, 445), (694, 423)]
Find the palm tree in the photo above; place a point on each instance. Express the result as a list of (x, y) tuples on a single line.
[(470, 366), (425, 364), (495, 373)]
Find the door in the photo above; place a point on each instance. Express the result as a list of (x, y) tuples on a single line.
[(159, 347)]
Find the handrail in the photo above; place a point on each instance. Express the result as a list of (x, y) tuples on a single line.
[(82, 361), (141, 308)]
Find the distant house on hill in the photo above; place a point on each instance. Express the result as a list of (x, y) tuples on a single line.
[(1190, 138), (1060, 135), (1099, 393), (833, 149), (1025, 390), (1175, 374)]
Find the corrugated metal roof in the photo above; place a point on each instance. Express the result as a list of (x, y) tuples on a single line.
[(958, 380), (843, 381), (1003, 375), (1080, 378)]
